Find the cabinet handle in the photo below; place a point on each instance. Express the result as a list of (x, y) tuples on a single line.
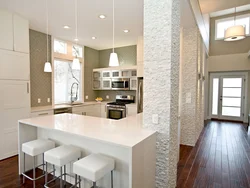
[(44, 114), (28, 87)]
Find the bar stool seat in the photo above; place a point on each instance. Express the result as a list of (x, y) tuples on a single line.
[(37, 147), (62, 155), (94, 167)]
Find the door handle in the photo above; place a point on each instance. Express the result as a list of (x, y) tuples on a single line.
[(28, 87)]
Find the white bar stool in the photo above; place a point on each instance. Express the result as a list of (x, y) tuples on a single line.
[(94, 167), (61, 156), (35, 148)]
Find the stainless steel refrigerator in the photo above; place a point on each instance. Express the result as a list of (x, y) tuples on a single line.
[(140, 95)]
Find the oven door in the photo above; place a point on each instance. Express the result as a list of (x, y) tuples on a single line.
[(120, 84), (116, 113)]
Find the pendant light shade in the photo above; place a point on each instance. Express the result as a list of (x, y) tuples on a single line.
[(76, 64), (47, 67), (113, 60), (235, 33)]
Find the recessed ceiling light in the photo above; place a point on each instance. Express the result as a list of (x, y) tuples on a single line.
[(66, 27), (93, 38), (125, 30), (102, 16), (76, 40)]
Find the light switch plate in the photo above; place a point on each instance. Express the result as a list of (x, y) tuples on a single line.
[(48, 100), (107, 97), (155, 118), (39, 100), (86, 97)]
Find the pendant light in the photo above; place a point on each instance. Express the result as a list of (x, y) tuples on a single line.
[(76, 63), (236, 32), (47, 65), (113, 60)]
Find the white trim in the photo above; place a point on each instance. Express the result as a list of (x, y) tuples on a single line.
[(230, 19), (244, 105)]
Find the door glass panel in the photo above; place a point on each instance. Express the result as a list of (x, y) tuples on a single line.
[(215, 96), (233, 102), (232, 82), (231, 92), (231, 111)]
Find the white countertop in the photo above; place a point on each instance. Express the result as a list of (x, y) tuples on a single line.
[(126, 132), (52, 107)]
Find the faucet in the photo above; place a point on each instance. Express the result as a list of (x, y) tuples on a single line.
[(73, 99)]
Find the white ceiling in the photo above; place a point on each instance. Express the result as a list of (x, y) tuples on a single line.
[(129, 15), (209, 6)]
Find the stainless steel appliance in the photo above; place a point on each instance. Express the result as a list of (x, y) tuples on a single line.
[(140, 95), (120, 84), (117, 110)]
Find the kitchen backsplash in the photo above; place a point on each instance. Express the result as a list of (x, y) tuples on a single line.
[(41, 87), (112, 94)]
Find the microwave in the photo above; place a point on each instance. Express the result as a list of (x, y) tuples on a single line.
[(120, 84)]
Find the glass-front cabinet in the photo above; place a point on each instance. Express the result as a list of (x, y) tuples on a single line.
[(106, 74), (106, 84), (133, 83)]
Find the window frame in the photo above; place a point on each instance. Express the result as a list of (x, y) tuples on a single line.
[(230, 19)]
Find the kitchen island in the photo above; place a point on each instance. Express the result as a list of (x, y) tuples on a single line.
[(132, 147)]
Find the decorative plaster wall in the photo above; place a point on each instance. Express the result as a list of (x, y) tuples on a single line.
[(41, 86), (161, 83), (192, 92)]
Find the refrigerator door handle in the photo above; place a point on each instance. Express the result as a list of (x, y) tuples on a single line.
[(139, 97)]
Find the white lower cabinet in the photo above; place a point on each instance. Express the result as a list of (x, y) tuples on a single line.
[(95, 110), (131, 109), (42, 113), (14, 105)]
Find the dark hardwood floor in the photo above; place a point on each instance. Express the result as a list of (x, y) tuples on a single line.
[(220, 158)]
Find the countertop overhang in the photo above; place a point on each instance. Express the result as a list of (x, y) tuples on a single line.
[(126, 132)]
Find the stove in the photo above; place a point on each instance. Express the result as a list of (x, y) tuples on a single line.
[(117, 110)]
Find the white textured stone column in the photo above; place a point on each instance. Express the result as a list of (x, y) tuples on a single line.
[(161, 83)]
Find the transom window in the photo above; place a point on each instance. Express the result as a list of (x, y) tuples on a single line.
[(77, 51), (60, 46), (222, 24)]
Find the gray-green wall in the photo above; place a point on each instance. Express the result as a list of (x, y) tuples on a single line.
[(40, 81), (100, 59)]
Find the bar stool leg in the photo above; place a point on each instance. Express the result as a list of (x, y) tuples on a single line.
[(65, 175), (46, 175), (43, 164), (76, 180), (34, 171), (94, 185), (23, 167), (61, 181), (79, 181), (54, 170), (112, 179)]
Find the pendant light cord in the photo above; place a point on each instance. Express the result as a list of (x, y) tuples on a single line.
[(113, 26), (76, 19), (47, 20)]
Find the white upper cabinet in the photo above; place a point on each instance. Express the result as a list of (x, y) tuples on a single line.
[(14, 65), (21, 34), (14, 32), (6, 31)]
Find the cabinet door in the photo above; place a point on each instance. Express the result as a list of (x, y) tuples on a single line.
[(133, 84), (103, 111), (140, 71), (96, 75), (42, 113), (6, 31), (106, 74), (14, 105), (21, 34), (97, 84), (106, 84), (131, 110), (14, 65), (116, 74)]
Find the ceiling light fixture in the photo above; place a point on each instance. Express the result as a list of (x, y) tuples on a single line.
[(236, 32), (76, 63), (47, 65), (113, 60), (102, 16), (126, 31), (66, 27), (93, 38)]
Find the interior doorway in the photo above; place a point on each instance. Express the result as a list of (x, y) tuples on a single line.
[(228, 96)]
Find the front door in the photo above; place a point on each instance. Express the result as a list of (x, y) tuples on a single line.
[(227, 96)]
